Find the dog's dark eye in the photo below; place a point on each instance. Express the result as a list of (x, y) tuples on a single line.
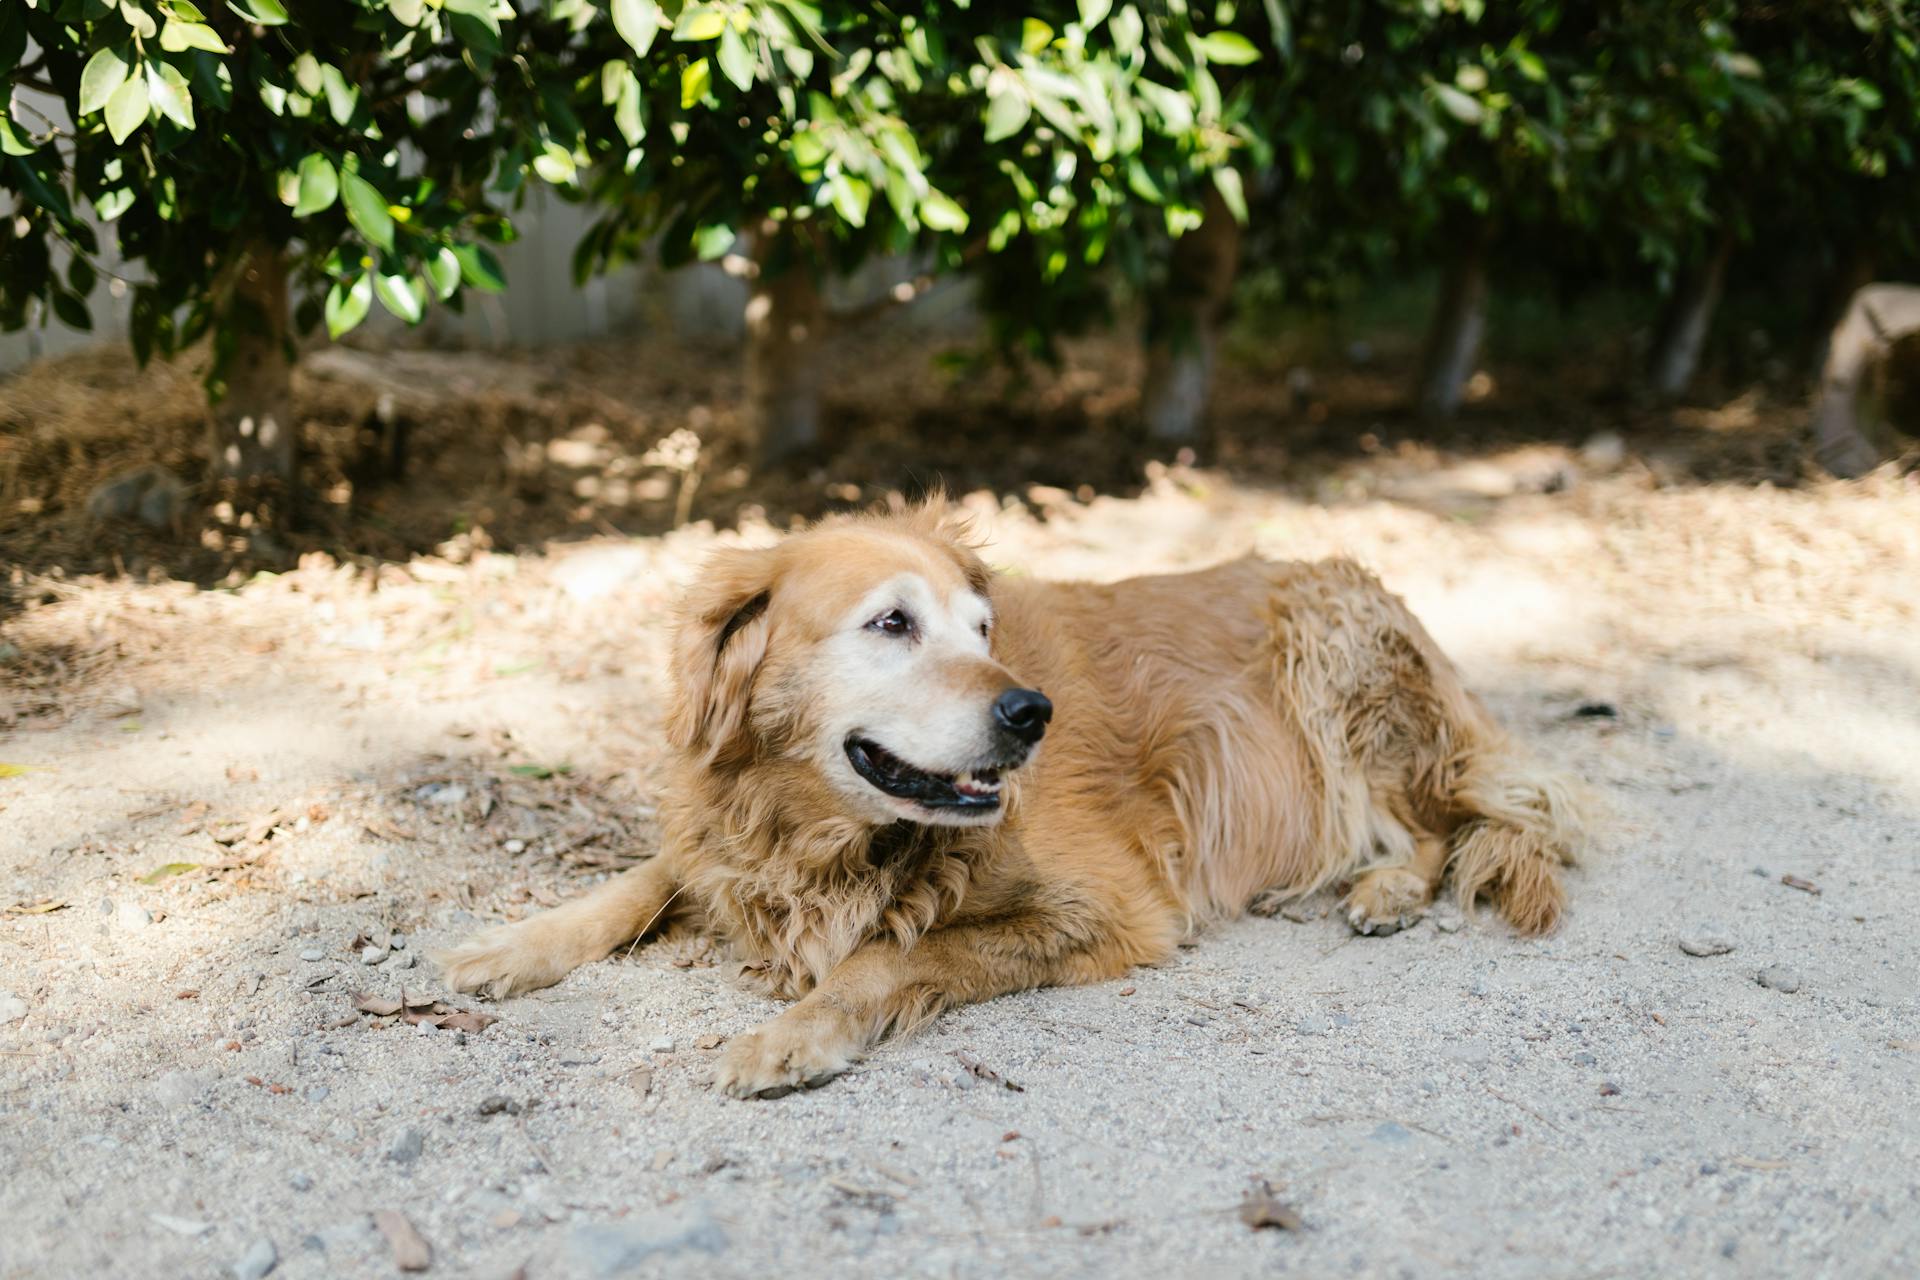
[(894, 622), (986, 631)]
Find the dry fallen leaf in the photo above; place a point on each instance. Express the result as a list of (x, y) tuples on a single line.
[(640, 1080), (411, 1252), (1804, 886), (465, 1020), (708, 1041), (378, 1006), (37, 908), (981, 1071), (1261, 1208)]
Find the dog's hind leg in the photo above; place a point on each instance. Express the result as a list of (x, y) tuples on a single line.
[(1407, 757), (542, 949)]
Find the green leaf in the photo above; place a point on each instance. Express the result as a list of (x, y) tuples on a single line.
[(480, 268), (11, 143), (735, 59), (712, 241), (850, 198), (941, 213), (555, 164), (443, 269), (168, 90), (627, 115), (409, 12), (81, 277), (267, 13), (342, 97), (347, 305), (1007, 113), (1228, 49), (72, 311), (1281, 24), (367, 210), (1462, 107), (127, 108), (109, 205), (105, 72), (139, 19), (1035, 35), (539, 770), (168, 870), (397, 296), (306, 74), (694, 82), (319, 186), (1094, 12), (178, 37), (1226, 181), (638, 22), (1127, 29), (699, 22)]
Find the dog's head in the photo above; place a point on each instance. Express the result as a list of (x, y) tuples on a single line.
[(864, 651)]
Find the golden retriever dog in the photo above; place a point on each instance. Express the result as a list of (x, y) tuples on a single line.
[(903, 783)]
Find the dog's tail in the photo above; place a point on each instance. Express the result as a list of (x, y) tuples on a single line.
[(1519, 824)]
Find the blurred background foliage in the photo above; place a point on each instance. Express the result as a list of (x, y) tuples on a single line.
[(270, 170)]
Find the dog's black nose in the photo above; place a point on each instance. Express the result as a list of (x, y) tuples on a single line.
[(1023, 713)]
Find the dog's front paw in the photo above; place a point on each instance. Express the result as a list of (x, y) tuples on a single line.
[(509, 959), (1387, 900), (784, 1055)]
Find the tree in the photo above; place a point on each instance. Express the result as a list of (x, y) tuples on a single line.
[(243, 157), (796, 142)]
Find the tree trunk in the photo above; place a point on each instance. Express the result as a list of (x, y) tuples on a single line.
[(252, 440), (1852, 272), (1684, 324), (1842, 437), (1459, 322), (1183, 331), (785, 323)]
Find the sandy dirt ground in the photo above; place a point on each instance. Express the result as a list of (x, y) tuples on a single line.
[(238, 810)]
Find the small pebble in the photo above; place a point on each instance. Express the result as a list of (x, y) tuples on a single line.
[(1705, 946), (12, 1007), (407, 1147), (312, 954), (317, 1093), (662, 1044), (372, 955), (301, 1182), (1778, 977), (515, 846), (402, 960), (397, 940), (259, 1259), (132, 916), (1314, 1024)]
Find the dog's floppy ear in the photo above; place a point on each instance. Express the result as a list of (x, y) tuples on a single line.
[(719, 646)]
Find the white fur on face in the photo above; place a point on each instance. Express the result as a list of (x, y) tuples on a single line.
[(893, 690)]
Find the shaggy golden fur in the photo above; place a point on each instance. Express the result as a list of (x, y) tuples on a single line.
[(1249, 729)]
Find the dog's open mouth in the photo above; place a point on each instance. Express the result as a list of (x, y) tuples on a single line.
[(976, 789)]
